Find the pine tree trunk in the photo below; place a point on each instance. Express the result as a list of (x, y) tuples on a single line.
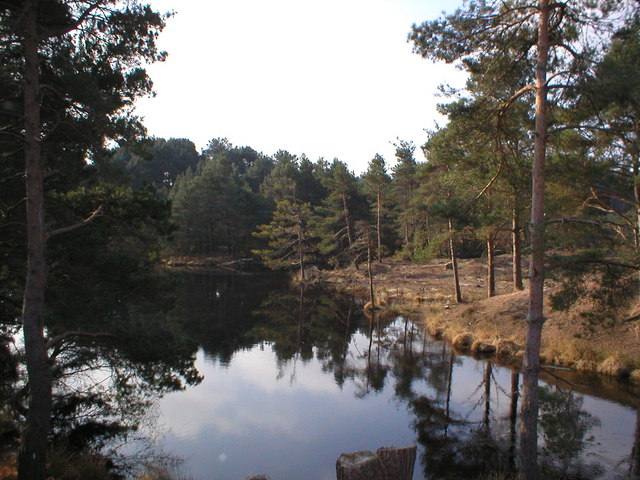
[(406, 231), (300, 249), (636, 196), (347, 220), (371, 291), (535, 317), (379, 226), (454, 264), (32, 455), (517, 252), (491, 270)]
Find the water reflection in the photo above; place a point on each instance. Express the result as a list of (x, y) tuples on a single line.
[(295, 377)]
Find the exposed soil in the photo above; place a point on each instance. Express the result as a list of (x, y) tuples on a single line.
[(497, 324)]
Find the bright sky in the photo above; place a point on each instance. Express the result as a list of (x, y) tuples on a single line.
[(330, 78)]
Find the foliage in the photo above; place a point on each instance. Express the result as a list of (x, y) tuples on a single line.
[(290, 240), (218, 205), (156, 162), (341, 209)]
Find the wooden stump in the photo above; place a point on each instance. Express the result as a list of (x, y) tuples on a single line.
[(386, 464)]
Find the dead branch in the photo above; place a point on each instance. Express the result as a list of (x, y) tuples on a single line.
[(75, 226), (592, 261), (601, 223)]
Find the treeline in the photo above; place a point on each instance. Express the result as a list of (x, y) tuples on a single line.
[(237, 201), (465, 192)]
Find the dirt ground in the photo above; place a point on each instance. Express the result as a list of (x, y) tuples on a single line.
[(497, 324)]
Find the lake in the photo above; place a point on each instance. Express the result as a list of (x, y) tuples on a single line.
[(294, 378)]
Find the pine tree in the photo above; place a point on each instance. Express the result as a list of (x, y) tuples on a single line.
[(377, 183), (404, 185)]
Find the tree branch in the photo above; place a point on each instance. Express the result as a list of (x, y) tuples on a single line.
[(75, 226), (592, 261), (63, 30), (515, 96), (616, 226)]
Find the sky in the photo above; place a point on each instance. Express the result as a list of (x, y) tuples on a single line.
[(331, 78)]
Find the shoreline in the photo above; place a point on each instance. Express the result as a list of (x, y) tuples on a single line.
[(495, 326)]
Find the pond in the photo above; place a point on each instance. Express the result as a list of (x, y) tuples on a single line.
[(293, 379)]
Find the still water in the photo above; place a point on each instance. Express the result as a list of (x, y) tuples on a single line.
[(294, 378)]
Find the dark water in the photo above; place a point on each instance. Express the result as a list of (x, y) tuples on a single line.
[(293, 378)]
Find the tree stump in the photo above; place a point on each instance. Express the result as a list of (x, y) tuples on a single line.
[(387, 463)]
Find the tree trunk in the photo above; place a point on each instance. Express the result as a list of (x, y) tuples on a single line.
[(378, 225), (535, 317), (371, 291), (347, 220), (406, 231), (300, 249), (517, 253), (636, 196), (491, 270), (385, 464), (454, 264), (32, 455)]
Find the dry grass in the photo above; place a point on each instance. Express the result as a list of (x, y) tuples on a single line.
[(506, 349), (498, 321), (614, 366), (462, 341)]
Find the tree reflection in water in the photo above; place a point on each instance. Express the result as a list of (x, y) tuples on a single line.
[(307, 322), (465, 424), (114, 351), (565, 430)]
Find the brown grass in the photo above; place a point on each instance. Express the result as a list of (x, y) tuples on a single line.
[(462, 341), (615, 367), (498, 321)]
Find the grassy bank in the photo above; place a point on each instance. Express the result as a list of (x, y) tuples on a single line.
[(496, 325)]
